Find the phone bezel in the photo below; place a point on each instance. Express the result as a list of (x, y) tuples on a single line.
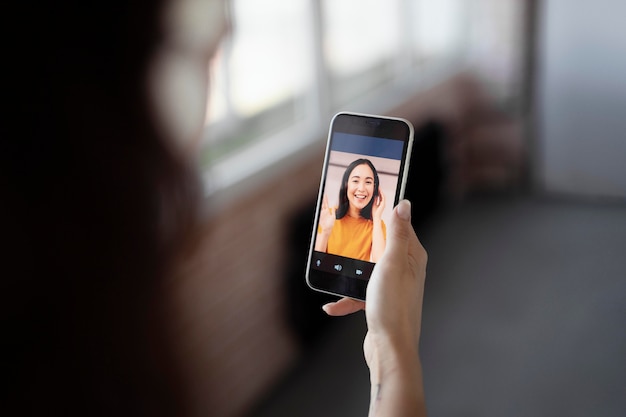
[(324, 279)]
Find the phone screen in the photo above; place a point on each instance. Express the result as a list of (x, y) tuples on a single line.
[(363, 179)]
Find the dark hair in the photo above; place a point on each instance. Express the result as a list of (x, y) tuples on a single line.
[(95, 204), (344, 204)]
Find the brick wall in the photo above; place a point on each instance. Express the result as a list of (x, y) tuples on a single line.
[(233, 332)]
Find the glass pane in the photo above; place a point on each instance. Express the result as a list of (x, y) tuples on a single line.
[(496, 42), (361, 42), (438, 29), (262, 79), (271, 55)]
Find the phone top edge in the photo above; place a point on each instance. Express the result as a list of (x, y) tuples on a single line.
[(378, 116), (387, 127)]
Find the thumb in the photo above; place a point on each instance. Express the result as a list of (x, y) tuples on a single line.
[(400, 228)]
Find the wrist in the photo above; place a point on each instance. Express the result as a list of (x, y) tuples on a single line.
[(396, 383), (393, 358)]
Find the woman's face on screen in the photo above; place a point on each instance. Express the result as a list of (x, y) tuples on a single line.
[(360, 186)]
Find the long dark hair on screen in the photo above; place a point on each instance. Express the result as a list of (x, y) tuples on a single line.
[(344, 204), (95, 204)]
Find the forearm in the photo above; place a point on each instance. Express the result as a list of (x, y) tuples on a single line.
[(397, 389), (321, 242)]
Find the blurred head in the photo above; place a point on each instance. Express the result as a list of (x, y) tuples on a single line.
[(99, 197), (359, 187)]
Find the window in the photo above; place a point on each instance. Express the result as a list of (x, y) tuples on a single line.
[(438, 29), (263, 75), (289, 65), (361, 42)]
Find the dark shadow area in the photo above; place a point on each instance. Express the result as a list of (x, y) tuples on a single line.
[(529, 319)]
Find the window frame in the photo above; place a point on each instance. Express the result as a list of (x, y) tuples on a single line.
[(261, 157)]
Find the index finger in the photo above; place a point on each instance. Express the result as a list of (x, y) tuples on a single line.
[(343, 307)]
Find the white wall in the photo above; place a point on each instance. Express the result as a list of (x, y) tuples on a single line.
[(581, 100)]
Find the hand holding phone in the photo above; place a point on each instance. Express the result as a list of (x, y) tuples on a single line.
[(366, 162), (394, 315)]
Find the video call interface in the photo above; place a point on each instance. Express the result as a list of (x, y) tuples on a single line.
[(386, 157)]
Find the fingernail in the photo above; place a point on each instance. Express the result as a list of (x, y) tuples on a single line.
[(404, 210)]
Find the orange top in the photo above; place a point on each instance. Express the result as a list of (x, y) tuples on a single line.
[(352, 238)]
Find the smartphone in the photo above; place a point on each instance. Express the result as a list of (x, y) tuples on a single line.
[(363, 178)]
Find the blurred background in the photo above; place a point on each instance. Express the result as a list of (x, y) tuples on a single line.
[(518, 184)]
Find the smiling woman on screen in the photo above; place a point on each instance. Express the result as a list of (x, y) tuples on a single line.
[(355, 229)]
